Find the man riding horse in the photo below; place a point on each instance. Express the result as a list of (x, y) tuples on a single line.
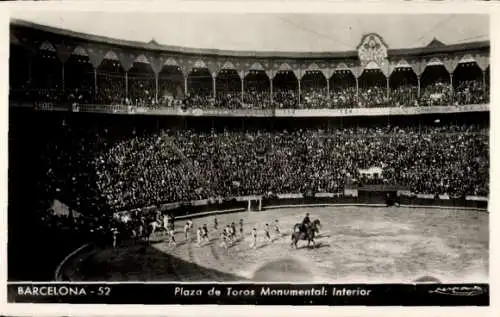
[(306, 230), (305, 223), (302, 227)]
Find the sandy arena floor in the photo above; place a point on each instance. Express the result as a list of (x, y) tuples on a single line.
[(355, 245)]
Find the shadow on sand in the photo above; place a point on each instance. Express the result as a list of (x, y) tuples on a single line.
[(141, 262), (318, 245)]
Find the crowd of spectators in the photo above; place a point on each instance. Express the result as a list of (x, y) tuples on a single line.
[(344, 98), (437, 94), (404, 95), (471, 92), (255, 99), (110, 91), (285, 99), (375, 97), (228, 100), (200, 99), (314, 98), (142, 92), (132, 168), (449, 160)]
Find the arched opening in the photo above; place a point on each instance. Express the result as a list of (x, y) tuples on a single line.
[(468, 86), (435, 86), (404, 87), (200, 88), (110, 83), (314, 90), (285, 90), (46, 76), (228, 87), (79, 79), (141, 84), (256, 90), (343, 89), (20, 73), (372, 89), (170, 86)]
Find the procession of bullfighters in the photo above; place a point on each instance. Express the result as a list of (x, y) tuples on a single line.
[(162, 227)]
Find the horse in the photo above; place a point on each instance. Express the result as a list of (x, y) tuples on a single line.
[(150, 228), (307, 234), (143, 232), (316, 224)]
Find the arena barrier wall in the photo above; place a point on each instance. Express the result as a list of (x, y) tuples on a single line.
[(379, 200), (202, 208), (61, 265)]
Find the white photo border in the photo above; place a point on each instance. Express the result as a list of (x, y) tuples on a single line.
[(401, 7)]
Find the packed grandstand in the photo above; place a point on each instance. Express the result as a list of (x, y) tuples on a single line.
[(99, 164)]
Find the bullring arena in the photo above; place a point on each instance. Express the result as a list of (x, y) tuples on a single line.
[(355, 245)]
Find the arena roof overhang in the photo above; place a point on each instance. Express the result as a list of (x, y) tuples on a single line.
[(435, 47), (372, 52)]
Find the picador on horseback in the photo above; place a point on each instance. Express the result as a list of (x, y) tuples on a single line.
[(305, 231), (305, 223)]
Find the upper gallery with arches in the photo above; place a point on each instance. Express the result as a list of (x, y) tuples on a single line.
[(56, 65)]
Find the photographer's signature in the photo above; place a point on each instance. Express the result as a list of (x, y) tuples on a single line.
[(459, 291)]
